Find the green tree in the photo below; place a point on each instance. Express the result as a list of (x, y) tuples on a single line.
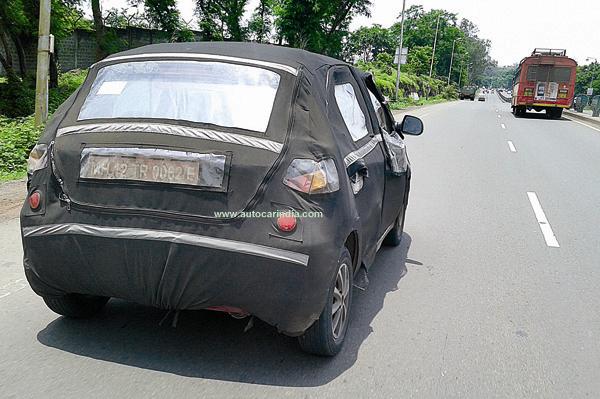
[(221, 19), (260, 26), (368, 42), (317, 25), (585, 75)]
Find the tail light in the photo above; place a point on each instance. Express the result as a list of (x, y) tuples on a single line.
[(312, 177), (286, 222), (562, 93), (38, 158), (528, 92), (35, 200)]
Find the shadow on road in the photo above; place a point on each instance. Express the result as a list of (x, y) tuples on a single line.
[(212, 345)]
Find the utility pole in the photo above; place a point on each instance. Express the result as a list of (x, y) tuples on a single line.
[(437, 28), (452, 59), (43, 63), (591, 73), (400, 52)]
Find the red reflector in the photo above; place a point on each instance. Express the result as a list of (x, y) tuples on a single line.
[(34, 200), (286, 222)]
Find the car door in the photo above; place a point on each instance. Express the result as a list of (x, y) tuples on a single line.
[(363, 157), (397, 170)]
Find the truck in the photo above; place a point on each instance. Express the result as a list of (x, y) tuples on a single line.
[(468, 92), (544, 81)]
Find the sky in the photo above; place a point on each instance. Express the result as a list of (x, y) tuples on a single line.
[(515, 27)]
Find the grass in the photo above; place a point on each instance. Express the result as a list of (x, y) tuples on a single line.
[(12, 175), (408, 102)]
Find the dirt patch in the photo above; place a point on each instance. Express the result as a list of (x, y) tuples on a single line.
[(12, 195)]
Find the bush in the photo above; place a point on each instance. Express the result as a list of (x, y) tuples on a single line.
[(17, 138), (17, 97)]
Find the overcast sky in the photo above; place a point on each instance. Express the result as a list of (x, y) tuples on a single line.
[(515, 27)]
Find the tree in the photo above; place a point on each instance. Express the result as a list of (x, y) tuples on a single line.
[(260, 26), (317, 25), (368, 42), (221, 19)]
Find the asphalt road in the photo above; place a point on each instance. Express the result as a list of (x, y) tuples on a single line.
[(485, 298)]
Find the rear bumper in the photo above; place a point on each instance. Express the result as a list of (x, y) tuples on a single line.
[(175, 270)]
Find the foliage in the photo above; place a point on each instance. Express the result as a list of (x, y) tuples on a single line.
[(317, 25), (585, 75), (221, 19), (260, 25), (17, 138), (17, 99), (500, 77), (367, 43)]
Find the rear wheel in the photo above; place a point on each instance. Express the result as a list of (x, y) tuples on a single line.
[(76, 305), (326, 336), (554, 113)]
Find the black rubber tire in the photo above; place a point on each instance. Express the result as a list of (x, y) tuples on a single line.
[(554, 113), (394, 236), (76, 305), (473, 99), (319, 339)]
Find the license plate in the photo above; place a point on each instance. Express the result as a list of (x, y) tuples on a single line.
[(153, 165)]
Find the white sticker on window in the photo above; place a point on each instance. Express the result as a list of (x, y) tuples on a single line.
[(111, 88)]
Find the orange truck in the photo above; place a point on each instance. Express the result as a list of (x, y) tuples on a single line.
[(544, 81)]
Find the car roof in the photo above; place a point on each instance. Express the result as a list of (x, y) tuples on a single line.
[(254, 51)]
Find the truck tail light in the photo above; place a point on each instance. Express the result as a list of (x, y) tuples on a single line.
[(528, 92), (562, 93), (312, 177)]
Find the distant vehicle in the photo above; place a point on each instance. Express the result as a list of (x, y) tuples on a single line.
[(544, 81), (481, 98), (468, 92)]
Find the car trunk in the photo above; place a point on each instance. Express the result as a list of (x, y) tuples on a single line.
[(118, 168)]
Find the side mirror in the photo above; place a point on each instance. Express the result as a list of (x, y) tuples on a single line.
[(410, 125)]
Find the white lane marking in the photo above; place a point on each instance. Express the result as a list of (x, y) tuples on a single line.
[(503, 125), (424, 115), (499, 116), (584, 124), (511, 146), (12, 287), (547, 232)]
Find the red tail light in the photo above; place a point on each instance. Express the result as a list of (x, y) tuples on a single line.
[(35, 200), (286, 222)]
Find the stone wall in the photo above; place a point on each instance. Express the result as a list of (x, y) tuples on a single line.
[(79, 49)]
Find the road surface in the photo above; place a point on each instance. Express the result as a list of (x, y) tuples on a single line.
[(494, 292)]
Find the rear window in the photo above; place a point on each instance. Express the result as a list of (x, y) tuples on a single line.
[(207, 92), (548, 73)]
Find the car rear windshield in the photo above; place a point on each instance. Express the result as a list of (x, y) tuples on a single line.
[(548, 73), (218, 93)]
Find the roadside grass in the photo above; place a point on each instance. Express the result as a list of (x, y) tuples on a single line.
[(408, 102), (10, 176)]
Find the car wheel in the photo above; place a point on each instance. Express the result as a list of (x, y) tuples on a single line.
[(76, 305), (394, 237), (326, 336)]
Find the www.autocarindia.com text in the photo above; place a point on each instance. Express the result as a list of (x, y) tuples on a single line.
[(270, 214)]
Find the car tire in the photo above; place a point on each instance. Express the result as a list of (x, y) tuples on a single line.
[(326, 336), (76, 305), (394, 236)]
